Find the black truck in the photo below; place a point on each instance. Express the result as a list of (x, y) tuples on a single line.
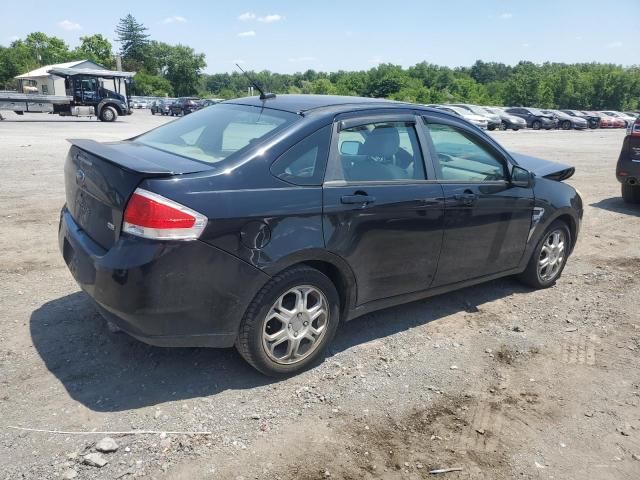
[(103, 94)]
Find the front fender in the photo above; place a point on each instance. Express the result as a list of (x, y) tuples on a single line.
[(559, 201)]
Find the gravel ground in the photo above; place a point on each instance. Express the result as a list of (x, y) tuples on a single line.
[(497, 380)]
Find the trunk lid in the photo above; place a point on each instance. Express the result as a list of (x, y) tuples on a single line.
[(100, 178)]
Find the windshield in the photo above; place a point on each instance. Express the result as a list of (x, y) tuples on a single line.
[(535, 111), (215, 134)]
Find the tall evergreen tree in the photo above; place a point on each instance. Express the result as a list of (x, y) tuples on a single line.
[(133, 39)]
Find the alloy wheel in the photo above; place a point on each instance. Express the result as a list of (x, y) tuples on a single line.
[(552, 255), (295, 325)]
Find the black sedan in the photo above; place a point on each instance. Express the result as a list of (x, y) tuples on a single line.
[(535, 118), (628, 168), (265, 223)]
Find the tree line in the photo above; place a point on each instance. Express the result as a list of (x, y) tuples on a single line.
[(591, 86), (176, 70)]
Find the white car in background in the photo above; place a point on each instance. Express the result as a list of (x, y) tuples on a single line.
[(477, 120)]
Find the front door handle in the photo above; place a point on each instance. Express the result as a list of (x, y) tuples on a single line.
[(357, 199), (466, 198)]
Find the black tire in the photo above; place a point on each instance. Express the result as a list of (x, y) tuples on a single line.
[(108, 114), (566, 125), (503, 126), (536, 125), (250, 336), (515, 129), (631, 193), (491, 128), (531, 274)]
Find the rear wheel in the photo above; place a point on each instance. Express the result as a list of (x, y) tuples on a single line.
[(536, 125), (631, 193), (549, 257), (290, 322), (108, 114), (566, 125), (503, 125)]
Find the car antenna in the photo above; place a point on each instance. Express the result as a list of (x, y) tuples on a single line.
[(263, 96)]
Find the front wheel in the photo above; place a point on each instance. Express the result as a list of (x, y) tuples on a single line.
[(536, 125), (503, 125), (566, 125), (631, 193), (290, 322), (549, 257), (108, 114)]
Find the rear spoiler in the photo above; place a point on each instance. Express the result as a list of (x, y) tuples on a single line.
[(139, 158), (545, 168)]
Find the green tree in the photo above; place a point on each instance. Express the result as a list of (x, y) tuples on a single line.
[(154, 85), (46, 50), (97, 49), (133, 39)]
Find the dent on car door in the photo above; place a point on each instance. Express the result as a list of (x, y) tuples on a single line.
[(487, 219), (381, 214)]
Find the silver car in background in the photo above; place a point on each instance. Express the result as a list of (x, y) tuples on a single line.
[(507, 121), (478, 120)]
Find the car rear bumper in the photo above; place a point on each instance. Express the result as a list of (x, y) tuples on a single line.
[(163, 293)]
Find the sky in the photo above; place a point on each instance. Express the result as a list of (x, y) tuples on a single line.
[(287, 36)]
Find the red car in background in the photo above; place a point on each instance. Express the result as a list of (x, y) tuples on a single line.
[(605, 121), (615, 121)]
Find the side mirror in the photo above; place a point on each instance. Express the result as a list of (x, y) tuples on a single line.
[(521, 177), (350, 147)]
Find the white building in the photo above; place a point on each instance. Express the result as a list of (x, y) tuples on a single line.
[(48, 84)]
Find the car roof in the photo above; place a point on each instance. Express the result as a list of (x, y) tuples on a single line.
[(332, 103)]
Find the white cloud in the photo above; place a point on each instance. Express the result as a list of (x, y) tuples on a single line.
[(270, 18), (615, 44), (69, 25), (247, 16), (301, 59), (505, 16), (175, 19), (250, 33)]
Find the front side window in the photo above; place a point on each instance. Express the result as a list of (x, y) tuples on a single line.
[(462, 157), (380, 152), (305, 162), (216, 134)]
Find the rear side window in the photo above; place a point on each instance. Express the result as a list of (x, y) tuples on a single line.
[(382, 151), (462, 157), (306, 161), (215, 134)]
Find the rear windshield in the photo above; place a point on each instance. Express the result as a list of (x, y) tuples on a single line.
[(216, 133)]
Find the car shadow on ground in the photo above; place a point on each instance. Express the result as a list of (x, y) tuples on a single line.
[(110, 372), (617, 205)]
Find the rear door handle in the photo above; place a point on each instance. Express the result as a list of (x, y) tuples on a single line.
[(466, 198), (357, 199)]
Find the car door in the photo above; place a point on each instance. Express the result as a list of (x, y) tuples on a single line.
[(487, 218), (383, 210)]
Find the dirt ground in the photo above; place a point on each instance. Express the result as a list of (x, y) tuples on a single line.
[(498, 380)]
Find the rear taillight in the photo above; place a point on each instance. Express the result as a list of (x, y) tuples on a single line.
[(635, 128), (150, 215)]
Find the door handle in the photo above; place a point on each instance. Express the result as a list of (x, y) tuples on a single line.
[(357, 199), (466, 198)]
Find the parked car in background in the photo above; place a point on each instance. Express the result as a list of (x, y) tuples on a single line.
[(163, 107), (632, 113), (184, 106), (535, 118), (493, 120), (605, 120), (183, 247), (593, 121), (507, 121), (207, 102), (478, 120), (566, 121), (628, 168), (627, 119)]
